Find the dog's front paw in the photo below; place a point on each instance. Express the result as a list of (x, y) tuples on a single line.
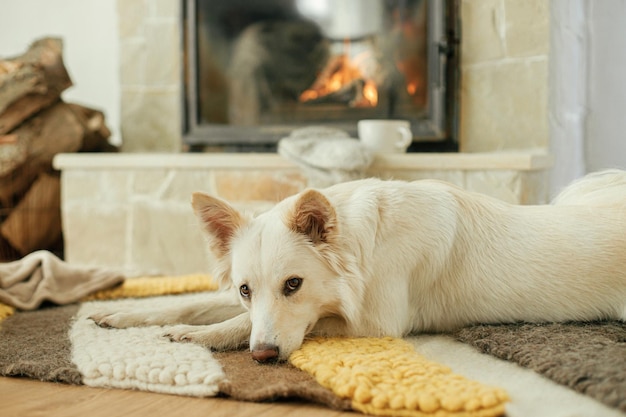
[(211, 337), (182, 334), (117, 320), (107, 320)]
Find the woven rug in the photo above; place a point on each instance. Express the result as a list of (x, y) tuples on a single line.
[(376, 376)]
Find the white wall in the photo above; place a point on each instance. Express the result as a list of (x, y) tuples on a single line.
[(606, 121), (587, 87), (567, 79), (91, 46)]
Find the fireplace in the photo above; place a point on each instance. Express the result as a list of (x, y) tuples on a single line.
[(257, 69), (143, 193)]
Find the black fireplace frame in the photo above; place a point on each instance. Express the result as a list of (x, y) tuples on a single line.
[(437, 131)]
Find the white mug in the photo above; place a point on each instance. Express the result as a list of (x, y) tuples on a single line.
[(385, 136)]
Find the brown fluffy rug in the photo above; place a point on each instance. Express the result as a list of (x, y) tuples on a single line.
[(587, 357), (43, 351)]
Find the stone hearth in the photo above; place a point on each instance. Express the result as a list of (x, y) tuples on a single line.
[(132, 211)]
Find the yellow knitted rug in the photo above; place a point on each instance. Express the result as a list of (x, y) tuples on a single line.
[(143, 287), (379, 376), (153, 286), (385, 376)]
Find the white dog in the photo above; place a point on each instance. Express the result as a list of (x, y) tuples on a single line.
[(391, 258)]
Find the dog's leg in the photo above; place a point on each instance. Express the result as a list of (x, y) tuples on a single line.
[(229, 334), (215, 308)]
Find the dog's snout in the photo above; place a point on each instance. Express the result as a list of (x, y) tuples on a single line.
[(265, 353)]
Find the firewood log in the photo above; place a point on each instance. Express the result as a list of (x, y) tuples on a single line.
[(35, 223), (97, 133), (31, 82), (54, 130)]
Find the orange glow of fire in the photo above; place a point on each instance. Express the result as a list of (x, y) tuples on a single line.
[(413, 74), (370, 92), (339, 73), (411, 88), (308, 95)]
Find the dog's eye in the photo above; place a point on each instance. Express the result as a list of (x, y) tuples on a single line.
[(292, 285), (244, 291)]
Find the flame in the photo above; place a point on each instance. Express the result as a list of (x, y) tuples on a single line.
[(309, 95), (370, 92), (340, 72), (411, 88)]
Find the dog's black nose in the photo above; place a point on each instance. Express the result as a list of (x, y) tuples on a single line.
[(265, 353)]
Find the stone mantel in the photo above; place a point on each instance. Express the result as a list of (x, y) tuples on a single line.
[(132, 211), (521, 161)]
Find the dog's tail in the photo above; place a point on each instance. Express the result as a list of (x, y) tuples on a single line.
[(603, 188)]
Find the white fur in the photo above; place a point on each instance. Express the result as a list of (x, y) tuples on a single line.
[(390, 258)]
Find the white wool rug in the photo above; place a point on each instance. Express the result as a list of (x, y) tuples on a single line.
[(141, 358)]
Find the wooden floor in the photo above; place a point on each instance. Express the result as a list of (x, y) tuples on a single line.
[(29, 398)]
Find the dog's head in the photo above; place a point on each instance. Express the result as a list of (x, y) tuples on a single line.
[(280, 262)]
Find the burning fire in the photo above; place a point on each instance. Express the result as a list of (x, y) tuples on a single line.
[(343, 74), (411, 88), (412, 69), (350, 80), (370, 92)]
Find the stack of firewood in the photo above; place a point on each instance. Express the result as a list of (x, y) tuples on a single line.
[(35, 125)]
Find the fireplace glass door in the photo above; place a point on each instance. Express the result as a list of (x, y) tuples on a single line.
[(257, 69)]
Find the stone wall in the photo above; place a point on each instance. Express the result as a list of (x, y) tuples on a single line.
[(504, 74), (150, 75)]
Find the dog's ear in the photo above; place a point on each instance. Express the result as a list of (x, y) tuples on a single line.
[(313, 216), (219, 219)]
